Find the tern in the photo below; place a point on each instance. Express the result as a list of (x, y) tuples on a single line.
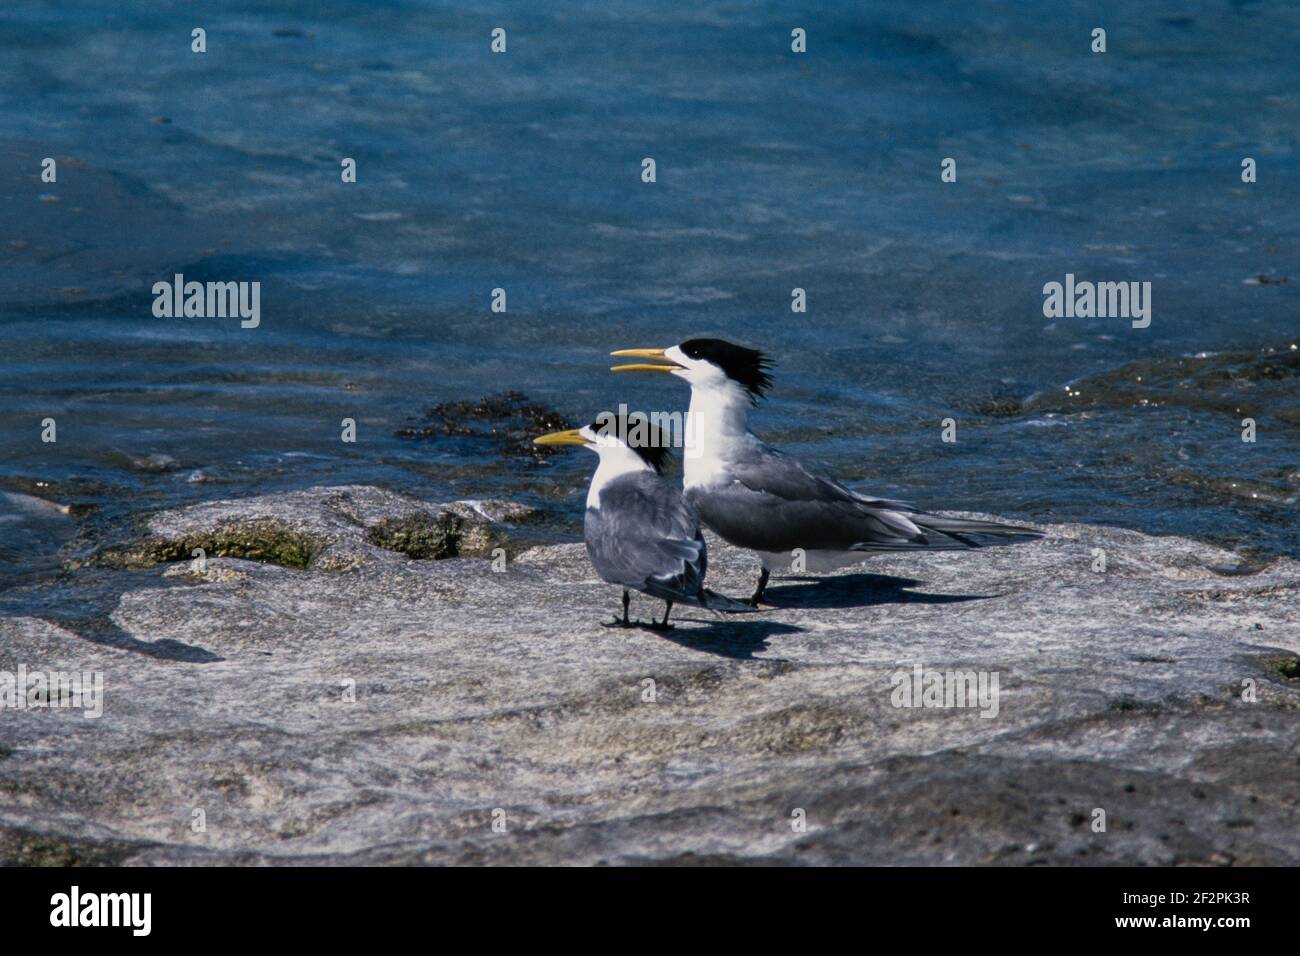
[(759, 498), (640, 533)]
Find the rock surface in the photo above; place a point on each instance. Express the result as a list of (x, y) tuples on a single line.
[(325, 529), (487, 695)]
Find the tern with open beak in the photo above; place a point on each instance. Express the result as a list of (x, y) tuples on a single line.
[(640, 533), (756, 497)]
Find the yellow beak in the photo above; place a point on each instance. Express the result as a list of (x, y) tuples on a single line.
[(643, 366), (571, 437)]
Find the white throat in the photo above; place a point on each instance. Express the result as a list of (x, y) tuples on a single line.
[(616, 460), (716, 430)]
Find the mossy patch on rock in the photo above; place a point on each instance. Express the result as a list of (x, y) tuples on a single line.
[(432, 537), (1288, 667), (327, 529), (24, 848), (510, 420), (267, 540)]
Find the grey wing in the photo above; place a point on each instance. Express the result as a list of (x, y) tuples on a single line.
[(775, 503), (645, 536)]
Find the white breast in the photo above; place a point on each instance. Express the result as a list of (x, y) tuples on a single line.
[(715, 434), (615, 461)]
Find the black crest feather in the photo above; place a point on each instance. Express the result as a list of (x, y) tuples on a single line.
[(747, 367), (636, 431)]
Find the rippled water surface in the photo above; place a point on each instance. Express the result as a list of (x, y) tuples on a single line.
[(522, 171)]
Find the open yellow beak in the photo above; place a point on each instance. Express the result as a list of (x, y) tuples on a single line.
[(570, 437), (644, 366)]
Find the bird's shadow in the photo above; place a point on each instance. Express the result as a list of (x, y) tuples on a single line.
[(738, 637), (108, 634), (856, 590)]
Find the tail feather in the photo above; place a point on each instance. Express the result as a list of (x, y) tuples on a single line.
[(941, 533), (702, 598), (973, 533), (720, 602)]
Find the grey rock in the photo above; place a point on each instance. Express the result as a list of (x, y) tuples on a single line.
[(327, 529), (483, 694)]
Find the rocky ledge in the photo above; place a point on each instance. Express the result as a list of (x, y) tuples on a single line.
[(351, 675)]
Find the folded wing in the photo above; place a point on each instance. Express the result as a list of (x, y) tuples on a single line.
[(644, 536), (775, 503)]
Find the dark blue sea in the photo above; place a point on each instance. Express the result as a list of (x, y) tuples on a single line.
[(522, 171)]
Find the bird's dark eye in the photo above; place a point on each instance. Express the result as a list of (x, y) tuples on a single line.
[(692, 349)]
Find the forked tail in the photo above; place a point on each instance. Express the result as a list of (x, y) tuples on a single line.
[(948, 533)]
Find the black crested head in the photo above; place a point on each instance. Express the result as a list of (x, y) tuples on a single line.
[(747, 367), (637, 432)]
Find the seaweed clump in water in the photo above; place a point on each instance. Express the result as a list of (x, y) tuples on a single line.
[(509, 419)]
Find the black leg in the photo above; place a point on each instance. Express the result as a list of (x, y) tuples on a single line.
[(664, 625), (762, 586), (625, 622)]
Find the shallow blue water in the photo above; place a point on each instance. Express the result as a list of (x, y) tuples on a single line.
[(774, 171)]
